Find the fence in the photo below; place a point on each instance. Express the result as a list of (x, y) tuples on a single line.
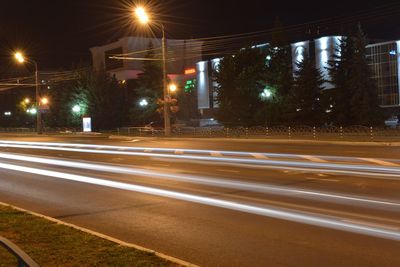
[(284, 132), (23, 259)]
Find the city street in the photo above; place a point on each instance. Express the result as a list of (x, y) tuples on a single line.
[(216, 202)]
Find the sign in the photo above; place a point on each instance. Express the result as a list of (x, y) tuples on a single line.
[(190, 85), (87, 124), (190, 71)]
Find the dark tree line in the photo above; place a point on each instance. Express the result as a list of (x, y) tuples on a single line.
[(297, 98)]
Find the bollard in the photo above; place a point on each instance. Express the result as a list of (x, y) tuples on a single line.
[(246, 131), (341, 132), (371, 131), (314, 133), (290, 132), (209, 131), (267, 131)]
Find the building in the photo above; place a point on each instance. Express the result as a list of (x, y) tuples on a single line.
[(186, 67), (383, 58), (124, 57)]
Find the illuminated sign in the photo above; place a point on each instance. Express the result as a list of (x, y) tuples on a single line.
[(190, 85), (190, 71), (87, 124)]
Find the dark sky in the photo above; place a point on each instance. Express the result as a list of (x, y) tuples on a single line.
[(59, 33)]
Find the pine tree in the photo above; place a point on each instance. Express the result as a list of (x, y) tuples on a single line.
[(306, 97), (149, 86), (279, 74), (241, 80), (364, 92)]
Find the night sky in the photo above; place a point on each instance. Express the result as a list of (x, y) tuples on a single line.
[(59, 33)]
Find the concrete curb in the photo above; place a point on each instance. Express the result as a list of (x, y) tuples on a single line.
[(106, 237), (256, 140)]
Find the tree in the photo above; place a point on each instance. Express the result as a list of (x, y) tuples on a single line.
[(279, 75), (241, 81), (98, 95), (306, 99), (355, 97), (149, 86), (364, 92)]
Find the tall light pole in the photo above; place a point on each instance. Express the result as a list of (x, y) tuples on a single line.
[(144, 18), (21, 59)]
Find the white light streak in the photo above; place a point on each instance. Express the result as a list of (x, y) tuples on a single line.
[(338, 224), (224, 183)]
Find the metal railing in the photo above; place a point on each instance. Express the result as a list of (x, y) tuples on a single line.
[(23, 259), (356, 132)]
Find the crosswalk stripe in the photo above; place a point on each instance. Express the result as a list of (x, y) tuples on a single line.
[(380, 162)]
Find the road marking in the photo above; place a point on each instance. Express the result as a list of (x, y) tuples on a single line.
[(259, 156), (313, 159), (148, 150), (179, 152), (380, 162), (216, 154), (372, 224), (224, 170)]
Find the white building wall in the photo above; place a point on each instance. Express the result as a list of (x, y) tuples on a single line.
[(325, 50), (300, 50), (203, 85)]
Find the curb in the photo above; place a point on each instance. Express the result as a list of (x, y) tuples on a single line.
[(256, 140), (106, 237)]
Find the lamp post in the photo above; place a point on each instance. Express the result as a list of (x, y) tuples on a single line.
[(21, 59), (144, 18)]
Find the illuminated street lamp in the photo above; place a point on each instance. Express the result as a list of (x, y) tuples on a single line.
[(143, 17), (76, 109), (19, 57), (44, 101), (27, 101), (172, 88), (143, 103)]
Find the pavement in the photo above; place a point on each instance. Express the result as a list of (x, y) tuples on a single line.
[(216, 202)]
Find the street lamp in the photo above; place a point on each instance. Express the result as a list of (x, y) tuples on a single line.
[(44, 101), (19, 57), (143, 18), (27, 100), (76, 109), (172, 88)]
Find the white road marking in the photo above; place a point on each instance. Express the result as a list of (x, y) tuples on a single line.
[(259, 156), (380, 162), (313, 159), (224, 170)]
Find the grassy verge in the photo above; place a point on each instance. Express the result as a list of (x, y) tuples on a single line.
[(52, 244)]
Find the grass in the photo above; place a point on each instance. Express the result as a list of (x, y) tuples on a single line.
[(52, 244)]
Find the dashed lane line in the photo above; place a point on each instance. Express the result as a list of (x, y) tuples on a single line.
[(380, 162), (259, 156), (313, 159), (179, 152)]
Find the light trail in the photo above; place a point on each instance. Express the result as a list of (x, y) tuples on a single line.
[(224, 183), (259, 155), (364, 170), (337, 223)]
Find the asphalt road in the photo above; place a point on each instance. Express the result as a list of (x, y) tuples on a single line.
[(217, 203)]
